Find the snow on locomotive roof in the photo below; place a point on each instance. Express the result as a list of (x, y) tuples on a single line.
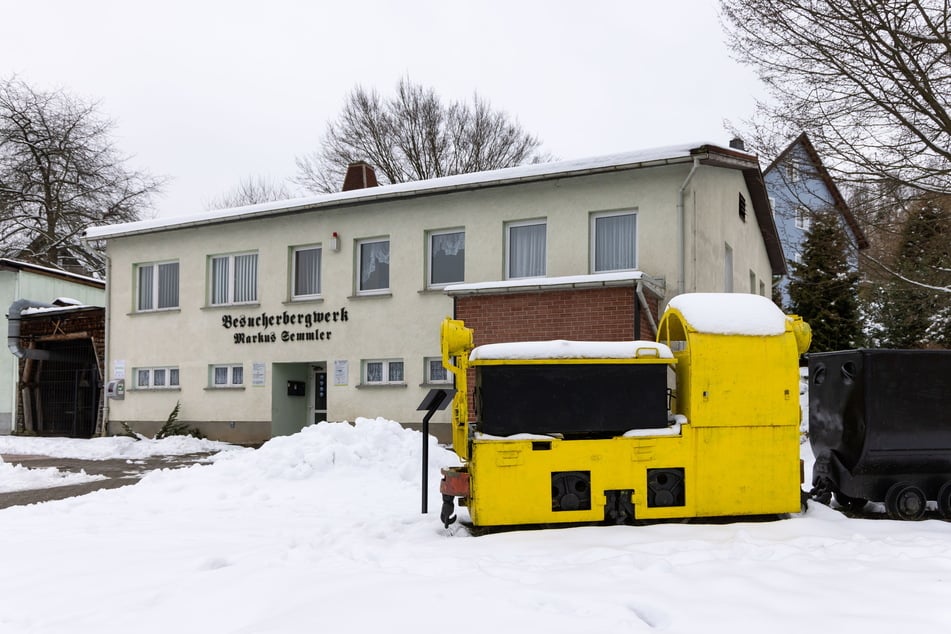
[(730, 313), (561, 349)]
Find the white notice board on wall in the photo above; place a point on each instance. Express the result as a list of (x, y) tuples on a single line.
[(341, 371)]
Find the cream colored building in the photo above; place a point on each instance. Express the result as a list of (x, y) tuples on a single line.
[(264, 319)]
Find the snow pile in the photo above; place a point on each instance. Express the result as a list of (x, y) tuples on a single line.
[(380, 447), (730, 313), (111, 447), (14, 477), (322, 531)]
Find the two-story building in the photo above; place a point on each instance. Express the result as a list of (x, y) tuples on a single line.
[(263, 319)]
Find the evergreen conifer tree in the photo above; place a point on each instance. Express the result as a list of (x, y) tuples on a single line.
[(823, 288), (916, 315)]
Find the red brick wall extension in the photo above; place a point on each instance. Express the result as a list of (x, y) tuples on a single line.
[(600, 314)]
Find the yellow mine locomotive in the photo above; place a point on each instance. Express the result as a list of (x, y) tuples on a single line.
[(703, 422)]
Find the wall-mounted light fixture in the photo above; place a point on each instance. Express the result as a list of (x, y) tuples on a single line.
[(335, 241)]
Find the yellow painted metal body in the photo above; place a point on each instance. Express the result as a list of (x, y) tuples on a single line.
[(736, 442)]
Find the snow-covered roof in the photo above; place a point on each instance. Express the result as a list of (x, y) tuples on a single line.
[(60, 304), (547, 283), (561, 349), (730, 313), (539, 171), (45, 270)]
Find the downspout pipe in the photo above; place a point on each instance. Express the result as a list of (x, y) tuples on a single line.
[(639, 291), (681, 230), (104, 421), (13, 330)]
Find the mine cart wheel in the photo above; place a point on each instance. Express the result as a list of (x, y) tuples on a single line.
[(905, 501), (849, 503), (944, 500)]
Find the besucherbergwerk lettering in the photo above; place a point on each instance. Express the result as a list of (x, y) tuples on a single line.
[(264, 321)]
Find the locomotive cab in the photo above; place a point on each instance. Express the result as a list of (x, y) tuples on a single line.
[(700, 423)]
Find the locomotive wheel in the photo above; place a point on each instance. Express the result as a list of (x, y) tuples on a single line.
[(944, 500), (849, 503), (905, 501)]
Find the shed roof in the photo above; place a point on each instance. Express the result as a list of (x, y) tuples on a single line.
[(7, 264)]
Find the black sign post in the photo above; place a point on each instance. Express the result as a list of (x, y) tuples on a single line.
[(434, 401)]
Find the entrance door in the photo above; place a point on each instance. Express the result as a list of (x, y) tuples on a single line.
[(320, 394)]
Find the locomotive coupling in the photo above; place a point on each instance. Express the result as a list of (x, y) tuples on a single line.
[(455, 483), (448, 506)]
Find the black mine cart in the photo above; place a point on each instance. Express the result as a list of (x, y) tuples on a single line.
[(880, 428)]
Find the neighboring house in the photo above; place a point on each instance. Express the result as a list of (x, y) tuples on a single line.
[(42, 285), (263, 319), (799, 186)]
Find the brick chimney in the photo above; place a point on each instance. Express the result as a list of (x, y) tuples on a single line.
[(360, 175), (737, 144)]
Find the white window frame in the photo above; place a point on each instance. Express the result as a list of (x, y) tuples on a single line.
[(156, 268), (231, 281), (388, 369), (428, 363), (359, 266), (430, 261), (803, 219), (233, 374), (295, 295), (792, 170), (594, 240), (508, 247), (171, 378)]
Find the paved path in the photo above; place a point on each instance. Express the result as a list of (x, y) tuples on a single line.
[(118, 473)]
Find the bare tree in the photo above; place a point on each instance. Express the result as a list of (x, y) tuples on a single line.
[(869, 80), (251, 191), (413, 135), (59, 174)]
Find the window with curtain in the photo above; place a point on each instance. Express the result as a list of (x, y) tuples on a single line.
[(447, 255), (614, 239), (157, 286), (156, 378), (374, 266), (234, 279), (436, 371), (383, 371), (306, 272), (526, 249), (227, 375)]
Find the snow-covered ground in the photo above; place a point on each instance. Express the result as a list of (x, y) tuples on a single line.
[(14, 477), (322, 532)]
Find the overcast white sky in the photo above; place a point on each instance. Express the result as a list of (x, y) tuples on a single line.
[(207, 93)]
